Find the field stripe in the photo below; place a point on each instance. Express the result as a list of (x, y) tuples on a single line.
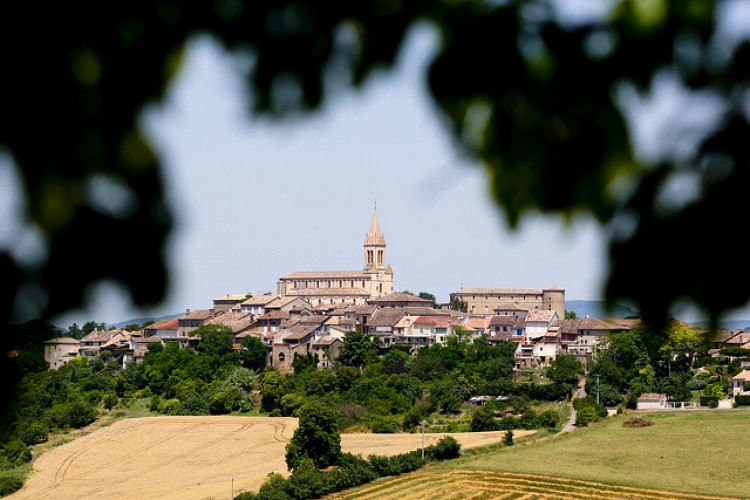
[(475, 484)]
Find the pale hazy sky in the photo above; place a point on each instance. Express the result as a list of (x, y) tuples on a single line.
[(255, 200)]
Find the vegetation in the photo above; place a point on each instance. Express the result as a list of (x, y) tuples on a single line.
[(661, 456), (307, 481)]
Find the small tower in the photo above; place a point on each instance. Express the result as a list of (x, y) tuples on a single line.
[(374, 246)]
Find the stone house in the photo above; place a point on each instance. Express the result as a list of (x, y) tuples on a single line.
[(59, 351)]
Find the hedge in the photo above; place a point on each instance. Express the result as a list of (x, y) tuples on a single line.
[(742, 400), (710, 401)]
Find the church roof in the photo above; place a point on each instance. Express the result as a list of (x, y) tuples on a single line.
[(359, 275), (375, 236)]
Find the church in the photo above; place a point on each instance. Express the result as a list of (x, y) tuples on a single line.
[(345, 287)]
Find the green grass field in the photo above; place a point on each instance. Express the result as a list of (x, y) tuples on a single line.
[(691, 454)]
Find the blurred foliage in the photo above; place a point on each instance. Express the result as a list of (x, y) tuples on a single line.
[(534, 95)]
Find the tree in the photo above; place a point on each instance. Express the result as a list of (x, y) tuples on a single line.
[(430, 297), (458, 304), (571, 315), (357, 349), (565, 369), (550, 117), (254, 353), (316, 438)]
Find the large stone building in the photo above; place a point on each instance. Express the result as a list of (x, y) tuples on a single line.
[(486, 300), (345, 287)]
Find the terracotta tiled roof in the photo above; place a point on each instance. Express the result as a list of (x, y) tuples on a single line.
[(399, 297), (102, 335), (260, 300), (236, 321), (300, 331), (274, 315), (503, 321), (231, 297), (63, 340), (510, 307), (323, 341), (652, 396), (743, 375), (433, 321), (540, 316), (167, 324), (499, 291), (388, 316), (198, 314), (324, 275)]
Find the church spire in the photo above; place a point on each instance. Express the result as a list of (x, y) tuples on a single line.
[(374, 245)]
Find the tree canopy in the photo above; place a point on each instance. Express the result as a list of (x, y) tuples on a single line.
[(544, 100)]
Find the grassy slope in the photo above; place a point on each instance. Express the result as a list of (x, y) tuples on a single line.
[(693, 451)]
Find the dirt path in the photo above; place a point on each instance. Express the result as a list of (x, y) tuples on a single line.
[(182, 458)]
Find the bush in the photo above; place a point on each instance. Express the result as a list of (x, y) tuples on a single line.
[(34, 433), (710, 401), (384, 425), (17, 453), (445, 449), (508, 438), (9, 484), (483, 419), (742, 400), (637, 422)]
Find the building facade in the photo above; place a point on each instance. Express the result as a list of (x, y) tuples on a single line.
[(486, 300)]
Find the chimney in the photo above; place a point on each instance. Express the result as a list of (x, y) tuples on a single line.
[(187, 311)]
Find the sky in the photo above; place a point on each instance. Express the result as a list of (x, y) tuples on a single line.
[(255, 199)]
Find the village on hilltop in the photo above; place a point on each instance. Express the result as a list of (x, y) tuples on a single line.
[(311, 312)]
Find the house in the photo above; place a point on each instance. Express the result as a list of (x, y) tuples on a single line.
[(327, 350), (652, 401), (737, 384), (138, 347), (295, 340), (257, 305), (194, 319), (507, 328), (91, 344), (436, 328), (547, 347), (345, 287), (167, 330), (237, 321), (59, 351), (538, 322), (229, 301)]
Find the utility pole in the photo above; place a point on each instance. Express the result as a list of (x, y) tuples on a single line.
[(422, 439), (597, 388)]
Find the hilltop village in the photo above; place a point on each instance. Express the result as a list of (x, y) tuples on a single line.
[(311, 312)]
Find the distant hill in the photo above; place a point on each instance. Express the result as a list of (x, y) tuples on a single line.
[(140, 321), (738, 324), (596, 309)]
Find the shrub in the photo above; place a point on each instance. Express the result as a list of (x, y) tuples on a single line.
[(637, 422), (384, 425), (9, 484), (445, 449), (710, 401), (742, 400), (17, 453), (34, 433), (508, 438), (483, 419)]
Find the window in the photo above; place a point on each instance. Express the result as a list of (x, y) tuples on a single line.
[(282, 357)]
